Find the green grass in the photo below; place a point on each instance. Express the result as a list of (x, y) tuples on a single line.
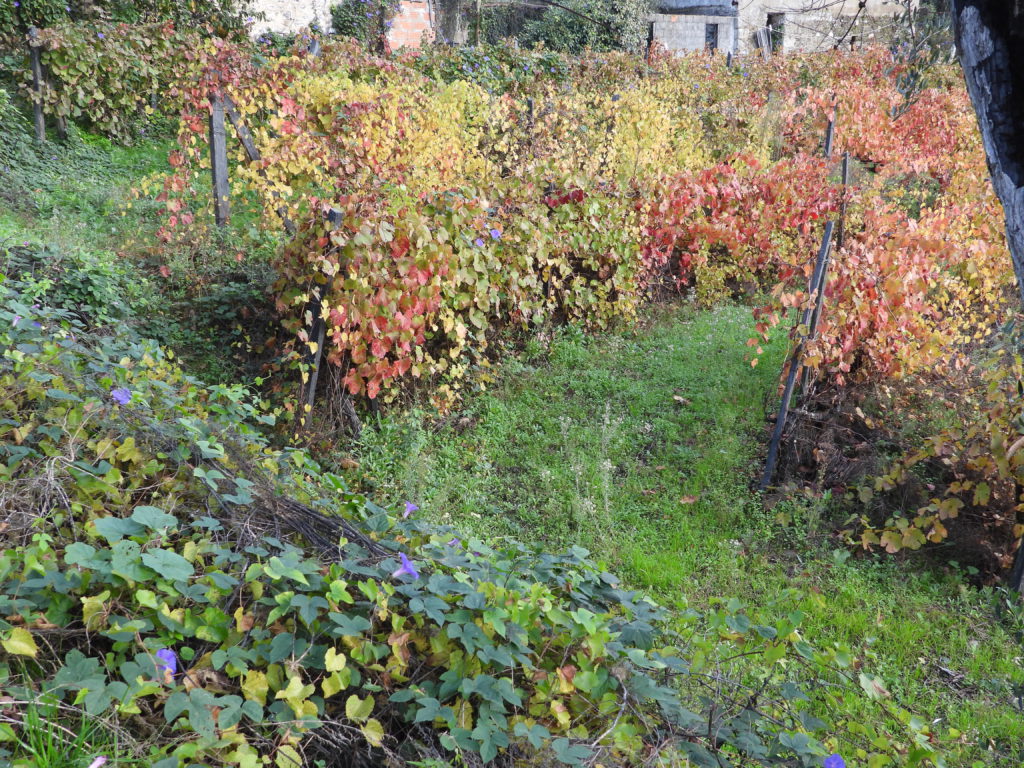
[(75, 204), (642, 447)]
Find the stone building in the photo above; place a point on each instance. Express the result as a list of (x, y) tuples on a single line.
[(780, 26), (694, 25), (812, 25)]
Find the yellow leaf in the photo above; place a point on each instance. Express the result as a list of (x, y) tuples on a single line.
[(92, 607), (334, 661), (358, 709), (334, 684), (287, 757), (255, 687), (374, 732), (20, 643)]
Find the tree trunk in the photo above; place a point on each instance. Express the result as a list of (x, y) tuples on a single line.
[(990, 44)]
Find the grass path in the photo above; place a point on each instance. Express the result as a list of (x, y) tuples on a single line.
[(641, 447)]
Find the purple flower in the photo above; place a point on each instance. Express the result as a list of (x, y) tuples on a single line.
[(121, 395), (15, 321), (454, 542), (16, 3), (99, 761), (36, 324), (834, 761), (409, 509), (478, 243), (495, 234), (100, 35), (406, 568), (167, 661)]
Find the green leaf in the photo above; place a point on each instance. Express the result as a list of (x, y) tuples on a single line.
[(570, 754), (126, 562), (170, 565), (113, 529), (60, 394), (176, 703), (81, 554), (154, 518)]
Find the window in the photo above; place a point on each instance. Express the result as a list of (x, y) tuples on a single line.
[(776, 25), (711, 37)]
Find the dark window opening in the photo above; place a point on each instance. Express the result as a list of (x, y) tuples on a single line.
[(711, 37), (776, 26)]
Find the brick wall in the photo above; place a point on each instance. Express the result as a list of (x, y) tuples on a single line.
[(410, 25)]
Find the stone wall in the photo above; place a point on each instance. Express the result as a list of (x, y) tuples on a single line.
[(292, 15), (684, 32), (408, 27), (815, 25)]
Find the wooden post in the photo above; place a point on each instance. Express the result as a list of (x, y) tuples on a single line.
[(817, 281), (37, 84), (317, 334), (252, 152), (819, 293), (841, 233), (219, 160), (244, 134), (829, 136)]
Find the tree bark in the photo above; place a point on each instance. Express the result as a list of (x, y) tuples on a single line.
[(990, 44)]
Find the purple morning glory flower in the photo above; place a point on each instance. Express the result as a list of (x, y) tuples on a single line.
[(478, 243), (16, 320), (406, 568), (100, 35), (167, 661), (409, 509), (835, 761), (98, 762), (121, 395), (454, 542), (495, 234)]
